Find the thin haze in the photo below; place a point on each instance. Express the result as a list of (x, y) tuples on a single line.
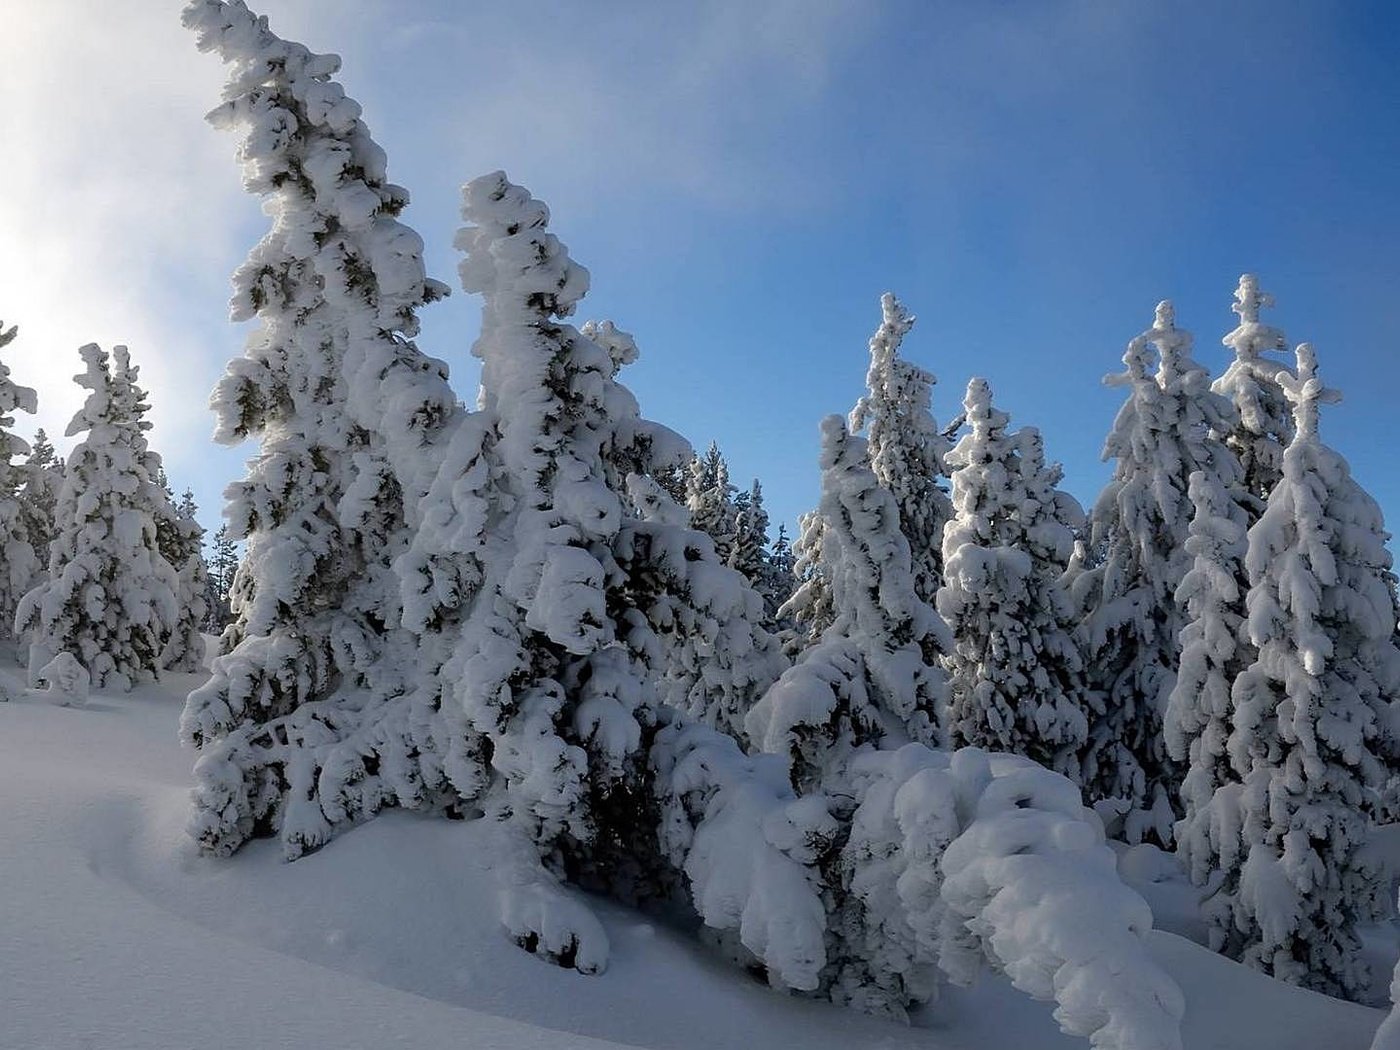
[(744, 181)]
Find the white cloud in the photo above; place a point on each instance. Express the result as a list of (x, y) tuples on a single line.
[(120, 210), (122, 214)]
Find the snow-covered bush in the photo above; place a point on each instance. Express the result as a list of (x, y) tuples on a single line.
[(1032, 882), (1015, 670), (64, 681), (109, 598), (747, 846), (312, 718), (944, 863), (21, 566), (1162, 435), (1313, 714)]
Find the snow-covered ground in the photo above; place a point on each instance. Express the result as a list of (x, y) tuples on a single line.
[(115, 934)]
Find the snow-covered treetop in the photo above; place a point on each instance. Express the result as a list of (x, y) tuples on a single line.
[(1306, 392), (529, 281), (907, 449), (1252, 337), (1054, 517), (533, 270), (985, 420), (12, 397), (620, 345), (275, 89), (1265, 424), (335, 242), (869, 601)]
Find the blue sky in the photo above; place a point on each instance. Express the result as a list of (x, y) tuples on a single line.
[(743, 181)]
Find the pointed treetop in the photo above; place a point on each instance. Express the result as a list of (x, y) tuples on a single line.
[(896, 324), (6, 338), (621, 346), (1249, 298), (1173, 344), (1252, 337), (985, 420), (1306, 392), (507, 242), (1138, 356)]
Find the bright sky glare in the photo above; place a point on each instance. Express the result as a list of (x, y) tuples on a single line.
[(743, 181)]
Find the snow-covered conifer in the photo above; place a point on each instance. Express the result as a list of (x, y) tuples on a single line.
[(1199, 716), (779, 579), (1162, 435), (710, 497), (223, 565), (181, 542), (109, 599), (873, 675), (1264, 424), (769, 572), (810, 606), (907, 449), (311, 719), (43, 478), (21, 566), (750, 551), (562, 580), (1015, 670), (1313, 712)]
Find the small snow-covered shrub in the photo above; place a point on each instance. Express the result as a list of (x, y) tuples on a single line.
[(939, 864), (66, 682)]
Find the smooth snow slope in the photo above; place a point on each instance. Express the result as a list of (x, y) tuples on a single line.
[(114, 934)]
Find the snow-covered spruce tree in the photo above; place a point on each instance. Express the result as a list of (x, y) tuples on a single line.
[(872, 678), (564, 583), (1200, 716), (1015, 671), (710, 497), (109, 599), (907, 449), (874, 673), (181, 542), (1264, 424), (779, 574), (810, 606), (21, 566), (1313, 713), (1138, 539), (223, 565), (311, 719), (750, 550), (771, 577), (908, 846), (43, 478)]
